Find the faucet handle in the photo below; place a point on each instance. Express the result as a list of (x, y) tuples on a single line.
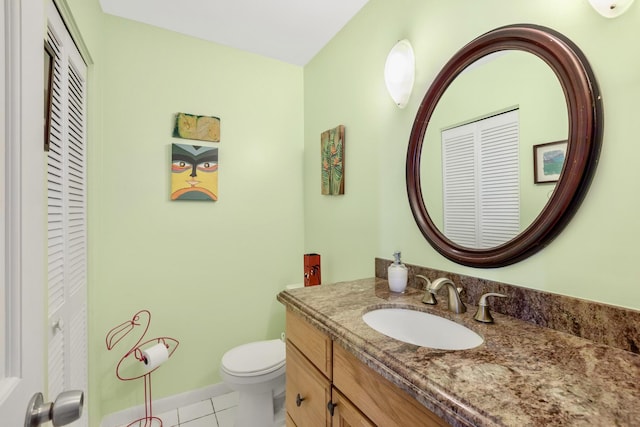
[(420, 276), (427, 286), (429, 297), (483, 314)]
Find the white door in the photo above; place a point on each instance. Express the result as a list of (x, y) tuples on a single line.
[(23, 218), (23, 209)]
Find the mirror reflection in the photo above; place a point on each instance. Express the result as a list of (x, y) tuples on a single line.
[(477, 168)]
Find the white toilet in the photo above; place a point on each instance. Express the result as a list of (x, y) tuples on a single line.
[(257, 372)]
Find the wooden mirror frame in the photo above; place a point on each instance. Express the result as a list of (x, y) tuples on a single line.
[(584, 105)]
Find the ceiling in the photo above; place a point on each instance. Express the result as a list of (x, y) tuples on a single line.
[(293, 31)]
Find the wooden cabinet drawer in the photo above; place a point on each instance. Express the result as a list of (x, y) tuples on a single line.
[(314, 344), (382, 401), (307, 392)]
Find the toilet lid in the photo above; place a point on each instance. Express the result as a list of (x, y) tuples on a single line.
[(255, 358)]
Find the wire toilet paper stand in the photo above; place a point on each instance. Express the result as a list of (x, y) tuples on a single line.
[(144, 352)]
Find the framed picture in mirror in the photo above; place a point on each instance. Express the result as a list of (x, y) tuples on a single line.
[(548, 160)]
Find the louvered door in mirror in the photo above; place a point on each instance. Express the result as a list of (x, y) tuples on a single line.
[(481, 181)]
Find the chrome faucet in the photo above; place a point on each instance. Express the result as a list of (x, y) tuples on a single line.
[(455, 303)]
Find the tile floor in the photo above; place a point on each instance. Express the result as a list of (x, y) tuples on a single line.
[(218, 411)]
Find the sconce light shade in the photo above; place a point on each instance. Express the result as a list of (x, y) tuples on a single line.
[(399, 72), (611, 8)]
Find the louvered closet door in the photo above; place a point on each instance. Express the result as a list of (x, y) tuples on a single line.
[(499, 179), (481, 181), (459, 185), (67, 228)]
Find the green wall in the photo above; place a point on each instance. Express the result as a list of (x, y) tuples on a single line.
[(209, 272), (593, 258)]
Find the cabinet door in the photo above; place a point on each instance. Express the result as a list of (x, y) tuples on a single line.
[(314, 344), (307, 392), (289, 422), (345, 414)]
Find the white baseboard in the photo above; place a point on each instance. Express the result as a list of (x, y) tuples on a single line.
[(165, 404)]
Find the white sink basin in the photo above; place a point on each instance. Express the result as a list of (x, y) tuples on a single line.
[(423, 329)]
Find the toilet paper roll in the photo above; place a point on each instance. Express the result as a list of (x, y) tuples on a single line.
[(155, 356), (294, 286)]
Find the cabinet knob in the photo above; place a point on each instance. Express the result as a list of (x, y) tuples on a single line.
[(299, 400), (331, 407)]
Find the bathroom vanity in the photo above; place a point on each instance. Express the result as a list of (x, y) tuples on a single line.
[(327, 385), (522, 374)]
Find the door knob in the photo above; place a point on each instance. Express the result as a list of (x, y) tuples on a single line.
[(66, 409)]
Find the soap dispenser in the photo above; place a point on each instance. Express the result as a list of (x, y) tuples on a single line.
[(397, 274)]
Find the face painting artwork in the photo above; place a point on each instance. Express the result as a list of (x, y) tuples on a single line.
[(194, 172)]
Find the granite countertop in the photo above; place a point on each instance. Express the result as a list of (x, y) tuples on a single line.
[(522, 375)]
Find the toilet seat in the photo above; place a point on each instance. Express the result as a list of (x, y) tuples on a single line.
[(255, 358)]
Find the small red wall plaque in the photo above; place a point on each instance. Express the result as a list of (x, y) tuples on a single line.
[(311, 269)]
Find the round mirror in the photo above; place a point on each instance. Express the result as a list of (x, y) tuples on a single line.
[(504, 146)]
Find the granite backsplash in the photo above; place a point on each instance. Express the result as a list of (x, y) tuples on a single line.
[(601, 323)]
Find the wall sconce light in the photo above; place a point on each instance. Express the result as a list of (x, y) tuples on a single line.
[(611, 8), (399, 72)]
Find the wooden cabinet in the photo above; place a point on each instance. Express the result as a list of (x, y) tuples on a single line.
[(309, 373), (345, 413), (307, 391), (381, 400), (328, 386)]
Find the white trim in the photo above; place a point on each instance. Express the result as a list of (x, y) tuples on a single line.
[(165, 404), (13, 107), (24, 178), (3, 205)]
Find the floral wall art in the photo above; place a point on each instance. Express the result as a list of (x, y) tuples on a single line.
[(332, 158)]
